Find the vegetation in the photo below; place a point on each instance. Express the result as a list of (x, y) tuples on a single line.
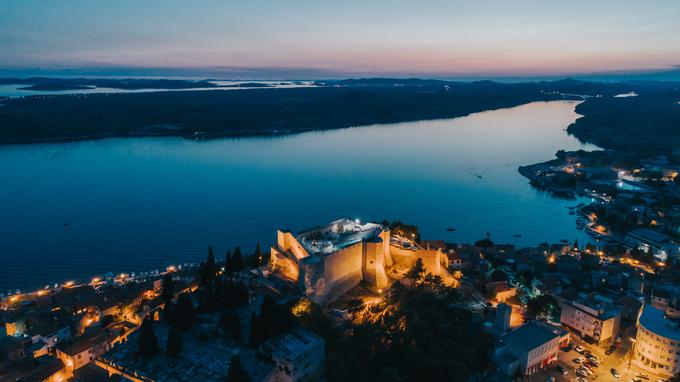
[(646, 124), (499, 275), (237, 372), (273, 320), (543, 306), (182, 314), (412, 335), (417, 272), (175, 343), (402, 229), (168, 291), (230, 322), (147, 343)]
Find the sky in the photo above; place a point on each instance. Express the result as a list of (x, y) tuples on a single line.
[(317, 38)]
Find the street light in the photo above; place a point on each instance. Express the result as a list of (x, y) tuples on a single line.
[(632, 351)]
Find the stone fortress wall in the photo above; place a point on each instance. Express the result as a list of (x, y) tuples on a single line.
[(326, 275)]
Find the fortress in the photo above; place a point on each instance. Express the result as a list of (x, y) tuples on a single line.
[(327, 261)]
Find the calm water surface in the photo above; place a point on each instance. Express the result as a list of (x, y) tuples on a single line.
[(140, 204)]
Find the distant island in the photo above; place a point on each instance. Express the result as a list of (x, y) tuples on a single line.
[(645, 122), (55, 86)]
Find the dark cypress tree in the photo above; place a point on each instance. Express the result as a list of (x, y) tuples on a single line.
[(175, 343), (148, 344), (210, 263), (168, 291), (237, 261), (257, 330), (228, 266), (183, 313), (241, 294), (417, 272), (229, 294), (236, 328), (237, 373), (257, 257)]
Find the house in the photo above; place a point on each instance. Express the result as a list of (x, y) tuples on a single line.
[(47, 330), (12, 349), (530, 347), (42, 369), (595, 317), (455, 261), (630, 308), (299, 356), (502, 290), (654, 242), (84, 349)]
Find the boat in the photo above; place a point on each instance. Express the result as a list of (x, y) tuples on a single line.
[(450, 229), (565, 241), (517, 235)]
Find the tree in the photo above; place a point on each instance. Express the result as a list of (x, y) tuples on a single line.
[(210, 263), (168, 291), (228, 263), (434, 282), (175, 343), (237, 373), (237, 261), (241, 294), (499, 275), (417, 272), (208, 269), (147, 342), (230, 321), (257, 330), (183, 313), (257, 257), (543, 305), (235, 328), (485, 243)]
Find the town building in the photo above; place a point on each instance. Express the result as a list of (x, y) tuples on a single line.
[(501, 290), (530, 347), (595, 317), (652, 241), (82, 350), (501, 319), (299, 356), (657, 343)]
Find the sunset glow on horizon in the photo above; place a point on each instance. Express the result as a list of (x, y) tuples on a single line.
[(349, 37)]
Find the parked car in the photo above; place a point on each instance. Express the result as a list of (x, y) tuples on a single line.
[(615, 373), (579, 349), (561, 370), (577, 360)]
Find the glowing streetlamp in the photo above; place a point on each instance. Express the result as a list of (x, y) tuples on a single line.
[(632, 352)]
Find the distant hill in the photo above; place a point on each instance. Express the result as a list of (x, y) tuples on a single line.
[(646, 122)]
